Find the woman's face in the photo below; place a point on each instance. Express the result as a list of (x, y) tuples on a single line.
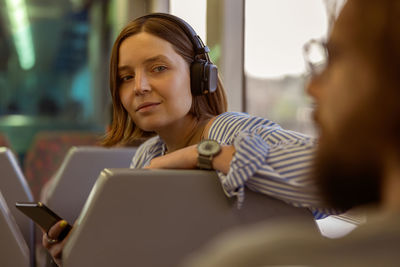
[(154, 82)]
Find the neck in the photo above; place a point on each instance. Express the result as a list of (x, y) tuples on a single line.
[(391, 186), (183, 133)]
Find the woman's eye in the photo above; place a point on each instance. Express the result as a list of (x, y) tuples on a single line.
[(126, 78), (159, 68)]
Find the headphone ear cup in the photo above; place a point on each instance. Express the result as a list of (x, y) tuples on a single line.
[(212, 77), (203, 77), (196, 73)]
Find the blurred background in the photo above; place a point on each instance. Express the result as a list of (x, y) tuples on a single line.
[(54, 57)]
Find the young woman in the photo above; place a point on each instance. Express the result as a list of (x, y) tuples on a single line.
[(165, 88)]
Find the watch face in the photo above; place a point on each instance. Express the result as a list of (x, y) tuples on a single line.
[(209, 147)]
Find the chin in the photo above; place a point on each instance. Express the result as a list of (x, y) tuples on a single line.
[(147, 127), (151, 125)]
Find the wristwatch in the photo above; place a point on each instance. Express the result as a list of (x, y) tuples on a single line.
[(207, 149)]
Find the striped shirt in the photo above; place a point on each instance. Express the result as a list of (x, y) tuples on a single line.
[(268, 159)]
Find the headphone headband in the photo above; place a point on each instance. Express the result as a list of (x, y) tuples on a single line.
[(198, 45)]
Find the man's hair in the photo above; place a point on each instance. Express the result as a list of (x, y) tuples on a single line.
[(123, 130)]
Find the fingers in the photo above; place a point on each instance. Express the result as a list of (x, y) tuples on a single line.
[(56, 229), (51, 242), (51, 237)]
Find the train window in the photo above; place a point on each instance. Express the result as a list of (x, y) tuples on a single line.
[(275, 32), (192, 11), (46, 81), (51, 77)]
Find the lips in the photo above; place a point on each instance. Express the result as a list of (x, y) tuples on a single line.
[(147, 105)]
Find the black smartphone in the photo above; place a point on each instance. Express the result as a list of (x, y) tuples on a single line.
[(42, 215)]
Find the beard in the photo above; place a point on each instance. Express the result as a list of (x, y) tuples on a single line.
[(348, 168)]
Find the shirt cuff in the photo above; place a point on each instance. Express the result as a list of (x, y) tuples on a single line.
[(251, 153)]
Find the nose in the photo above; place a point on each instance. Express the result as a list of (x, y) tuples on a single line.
[(142, 85)]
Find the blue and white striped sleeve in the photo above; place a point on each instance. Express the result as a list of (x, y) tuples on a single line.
[(277, 163), (138, 160), (148, 150)]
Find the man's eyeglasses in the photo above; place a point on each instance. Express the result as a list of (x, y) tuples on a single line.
[(316, 56)]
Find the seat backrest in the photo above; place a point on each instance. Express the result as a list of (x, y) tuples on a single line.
[(47, 152), (137, 217), (14, 188), (13, 248), (76, 176)]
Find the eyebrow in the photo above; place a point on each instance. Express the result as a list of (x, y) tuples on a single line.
[(147, 61)]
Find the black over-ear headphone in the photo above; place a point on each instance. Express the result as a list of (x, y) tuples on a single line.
[(203, 73)]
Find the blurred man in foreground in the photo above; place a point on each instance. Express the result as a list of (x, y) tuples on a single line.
[(357, 96)]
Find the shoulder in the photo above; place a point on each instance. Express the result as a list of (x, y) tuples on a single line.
[(228, 124), (240, 117), (238, 121)]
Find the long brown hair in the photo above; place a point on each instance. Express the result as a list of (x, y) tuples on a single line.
[(123, 130)]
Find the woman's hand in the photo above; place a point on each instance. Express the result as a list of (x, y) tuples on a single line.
[(52, 244), (186, 158)]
